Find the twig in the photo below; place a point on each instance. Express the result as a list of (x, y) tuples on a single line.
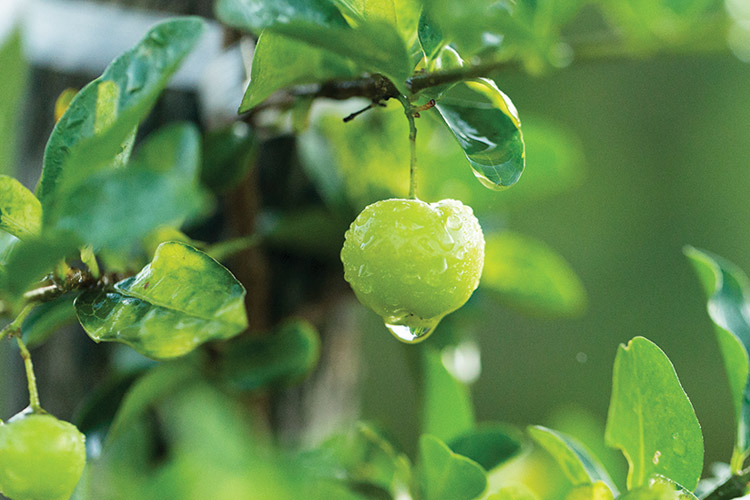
[(735, 486)]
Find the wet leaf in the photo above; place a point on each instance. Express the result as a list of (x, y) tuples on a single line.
[(182, 299), (485, 123), (20, 211), (97, 128), (651, 419), (255, 15)]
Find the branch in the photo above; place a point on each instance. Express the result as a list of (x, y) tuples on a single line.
[(734, 487), (75, 279)]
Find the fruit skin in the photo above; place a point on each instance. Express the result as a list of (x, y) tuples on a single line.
[(41, 457), (413, 262)]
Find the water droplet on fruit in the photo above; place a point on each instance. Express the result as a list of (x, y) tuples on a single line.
[(409, 334), (453, 222), (655, 460)]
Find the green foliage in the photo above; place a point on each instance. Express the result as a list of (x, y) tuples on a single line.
[(651, 419), (726, 288), (20, 211), (180, 300), (489, 445), (448, 410), (444, 474), (11, 89)]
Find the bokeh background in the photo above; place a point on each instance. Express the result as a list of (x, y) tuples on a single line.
[(662, 160)]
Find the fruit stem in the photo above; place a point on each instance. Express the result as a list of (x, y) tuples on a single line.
[(14, 330), (409, 112)]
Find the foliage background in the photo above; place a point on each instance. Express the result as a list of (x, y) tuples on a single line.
[(665, 142)]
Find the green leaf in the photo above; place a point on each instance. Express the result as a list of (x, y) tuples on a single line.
[(12, 86), (727, 289), (280, 61), (447, 410), (20, 211), (530, 275), (255, 15), (594, 491), (430, 36), (228, 155), (444, 474), (576, 461), (182, 299), (117, 101), (656, 489), (46, 319), (651, 419), (277, 360), (115, 209), (490, 445), (375, 46), (514, 492), (485, 123)]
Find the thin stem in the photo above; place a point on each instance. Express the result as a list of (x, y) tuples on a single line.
[(30, 376), (409, 112), (737, 461), (734, 487), (14, 327)]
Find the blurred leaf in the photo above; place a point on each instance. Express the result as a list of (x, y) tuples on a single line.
[(255, 15), (651, 419), (98, 409), (12, 86), (115, 209), (444, 474), (490, 445), (367, 458), (530, 275), (448, 411), (20, 211), (151, 241), (595, 491), (121, 97), (515, 492), (31, 260), (312, 231), (228, 248), (430, 36), (63, 102), (46, 319), (279, 359), (487, 127), (182, 299), (280, 61), (375, 47), (653, 490), (577, 462), (228, 155), (727, 289)]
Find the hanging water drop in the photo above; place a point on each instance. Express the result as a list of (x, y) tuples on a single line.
[(411, 334)]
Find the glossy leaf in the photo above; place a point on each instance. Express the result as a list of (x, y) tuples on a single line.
[(46, 319), (12, 86), (530, 275), (118, 100), (727, 288), (280, 61), (255, 15), (182, 299), (654, 490), (280, 359), (447, 409), (114, 209), (375, 46), (577, 462), (651, 419), (444, 474), (430, 36), (490, 445), (485, 123), (20, 211)]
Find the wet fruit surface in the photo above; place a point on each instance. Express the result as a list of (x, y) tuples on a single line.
[(413, 262), (41, 457)]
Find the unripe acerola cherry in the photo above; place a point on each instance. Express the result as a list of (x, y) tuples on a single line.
[(413, 262)]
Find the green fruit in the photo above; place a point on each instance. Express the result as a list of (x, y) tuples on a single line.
[(413, 262), (41, 457)]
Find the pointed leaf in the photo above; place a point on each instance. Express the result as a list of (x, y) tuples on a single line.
[(20, 211), (528, 274), (182, 299), (280, 61), (651, 419), (277, 360), (486, 125), (447, 409), (444, 474), (728, 289), (115, 209), (117, 101), (255, 15), (576, 461)]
